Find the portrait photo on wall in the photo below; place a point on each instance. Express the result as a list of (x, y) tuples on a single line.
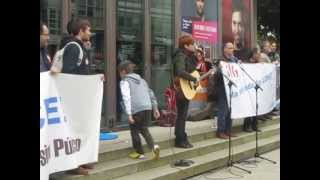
[(199, 20), (236, 26)]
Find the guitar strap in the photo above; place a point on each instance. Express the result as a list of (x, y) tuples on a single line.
[(172, 73), (173, 80)]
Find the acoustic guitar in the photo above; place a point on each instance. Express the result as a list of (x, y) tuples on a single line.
[(189, 88)]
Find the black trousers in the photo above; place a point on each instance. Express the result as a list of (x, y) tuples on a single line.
[(140, 126), (224, 119), (250, 122), (180, 128)]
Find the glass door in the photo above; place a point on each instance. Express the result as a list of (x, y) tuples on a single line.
[(130, 24), (161, 46)]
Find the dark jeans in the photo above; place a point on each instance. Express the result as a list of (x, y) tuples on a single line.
[(182, 110), (250, 122), (224, 120), (140, 126)]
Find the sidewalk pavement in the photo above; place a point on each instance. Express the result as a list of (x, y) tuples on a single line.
[(262, 170)]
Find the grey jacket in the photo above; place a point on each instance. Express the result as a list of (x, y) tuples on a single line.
[(137, 95)]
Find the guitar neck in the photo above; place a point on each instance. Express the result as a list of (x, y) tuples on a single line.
[(206, 74)]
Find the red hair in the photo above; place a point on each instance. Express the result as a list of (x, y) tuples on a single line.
[(185, 40)]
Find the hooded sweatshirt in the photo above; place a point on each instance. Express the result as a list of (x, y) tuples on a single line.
[(136, 94), (71, 59), (66, 38)]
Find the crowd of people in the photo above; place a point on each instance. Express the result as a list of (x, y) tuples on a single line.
[(267, 53), (139, 99)]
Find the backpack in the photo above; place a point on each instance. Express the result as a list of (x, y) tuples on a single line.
[(169, 115), (57, 63), (213, 86)]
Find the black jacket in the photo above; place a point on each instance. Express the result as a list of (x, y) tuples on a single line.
[(70, 59), (216, 88), (44, 61), (242, 54), (65, 39), (184, 64)]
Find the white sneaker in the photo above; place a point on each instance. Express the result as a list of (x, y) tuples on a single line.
[(141, 156), (135, 155), (156, 152)]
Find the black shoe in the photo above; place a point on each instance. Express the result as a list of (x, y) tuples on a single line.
[(246, 125), (222, 136), (183, 145), (262, 118), (189, 145), (248, 130), (256, 130)]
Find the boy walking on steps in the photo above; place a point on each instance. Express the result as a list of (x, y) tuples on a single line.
[(138, 100)]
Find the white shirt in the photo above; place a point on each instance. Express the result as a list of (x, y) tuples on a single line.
[(125, 90)]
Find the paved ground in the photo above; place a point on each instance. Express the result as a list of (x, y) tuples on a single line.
[(263, 170)]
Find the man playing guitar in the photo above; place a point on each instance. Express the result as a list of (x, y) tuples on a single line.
[(184, 62)]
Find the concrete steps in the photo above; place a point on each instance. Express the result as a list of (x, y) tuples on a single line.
[(114, 163), (205, 162), (197, 131)]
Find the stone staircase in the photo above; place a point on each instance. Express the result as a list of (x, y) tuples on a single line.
[(208, 152)]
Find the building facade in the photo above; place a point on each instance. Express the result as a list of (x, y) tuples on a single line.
[(143, 31)]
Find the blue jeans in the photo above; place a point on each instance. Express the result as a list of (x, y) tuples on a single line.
[(224, 120)]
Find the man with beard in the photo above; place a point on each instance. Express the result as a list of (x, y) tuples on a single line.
[(199, 11), (238, 31)]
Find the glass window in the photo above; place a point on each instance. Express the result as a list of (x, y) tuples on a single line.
[(161, 46), (93, 10), (54, 20), (130, 32), (130, 23), (50, 13)]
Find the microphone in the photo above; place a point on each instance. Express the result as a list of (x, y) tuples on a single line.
[(239, 62), (216, 61)]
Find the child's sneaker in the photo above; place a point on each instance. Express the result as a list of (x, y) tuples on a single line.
[(156, 152), (141, 156), (135, 155)]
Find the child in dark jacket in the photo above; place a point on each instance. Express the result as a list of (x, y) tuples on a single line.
[(139, 100)]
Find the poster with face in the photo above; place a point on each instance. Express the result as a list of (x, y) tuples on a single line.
[(199, 20), (236, 26)]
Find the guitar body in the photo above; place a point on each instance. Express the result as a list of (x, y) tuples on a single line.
[(189, 88)]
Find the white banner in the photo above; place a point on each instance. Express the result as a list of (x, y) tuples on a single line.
[(70, 114), (244, 95)]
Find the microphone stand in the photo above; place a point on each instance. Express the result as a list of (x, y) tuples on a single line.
[(230, 84), (256, 87)]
